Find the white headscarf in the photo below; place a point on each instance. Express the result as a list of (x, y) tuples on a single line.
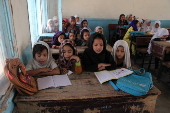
[(141, 22), (145, 27), (124, 44), (50, 29), (98, 27), (156, 29), (79, 19), (158, 34), (127, 18), (55, 18)]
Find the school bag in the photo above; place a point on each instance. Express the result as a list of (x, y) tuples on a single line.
[(15, 71), (138, 83)]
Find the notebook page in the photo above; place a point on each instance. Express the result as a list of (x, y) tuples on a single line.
[(61, 80), (45, 82), (103, 76), (120, 73)]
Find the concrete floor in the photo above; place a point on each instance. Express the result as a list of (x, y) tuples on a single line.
[(163, 100)]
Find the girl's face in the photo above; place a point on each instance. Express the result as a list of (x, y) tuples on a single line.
[(122, 17), (67, 51), (63, 23), (100, 30), (156, 25), (85, 23), (149, 23), (130, 18), (138, 24), (41, 57), (86, 36), (55, 21), (72, 36), (77, 19), (72, 21), (61, 38), (98, 45), (120, 52), (50, 24), (164, 37)]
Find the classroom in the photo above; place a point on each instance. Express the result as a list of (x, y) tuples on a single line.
[(98, 35)]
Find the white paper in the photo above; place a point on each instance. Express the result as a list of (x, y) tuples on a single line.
[(45, 82), (168, 41), (61, 80)]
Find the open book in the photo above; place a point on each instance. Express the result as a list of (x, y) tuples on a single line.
[(105, 75), (54, 81)]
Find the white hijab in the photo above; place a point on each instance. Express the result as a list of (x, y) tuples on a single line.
[(145, 27), (127, 18), (158, 34), (79, 19), (127, 60), (154, 29), (50, 29), (141, 22), (37, 65), (98, 27), (55, 18)]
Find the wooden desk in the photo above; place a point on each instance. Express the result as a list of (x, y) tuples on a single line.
[(80, 49), (161, 50), (86, 95)]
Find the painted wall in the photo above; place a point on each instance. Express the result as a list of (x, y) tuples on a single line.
[(150, 9), (21, 27)]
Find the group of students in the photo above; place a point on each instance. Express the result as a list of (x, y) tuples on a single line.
[(143, 26), (95, 57)]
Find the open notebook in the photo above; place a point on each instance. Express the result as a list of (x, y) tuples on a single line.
[(105, 75), (54, 81)]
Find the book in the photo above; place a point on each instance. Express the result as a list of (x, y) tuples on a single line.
[(105, 75), (54, 81)]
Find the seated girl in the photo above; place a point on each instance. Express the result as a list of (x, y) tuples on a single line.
[(122, 20), (72, 25), (156, 26), (57, 39), (64, 25), (96, 57), (146, 27), (129, 18), (99, 29), (161, 35), (51, 28), (140, 24), (84, 24), (55, 19), (42, 62), (85, 34), (72, 35), (121, 54), (68, 58), (77, 19), (133, 27)]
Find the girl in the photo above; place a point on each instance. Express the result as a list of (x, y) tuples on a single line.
[(77, 19), (99, 29), (64, 25), (156, 26), (140, 24), (72, 25), (68, 58), (50, 27), (55, 19), (161, 35), (42, 62), (57, 39), (96, 57), (85, 34), (84, 24), (129, 18), (146, 26), (133, 27), (121, 54), (122, 20), (72, 35)]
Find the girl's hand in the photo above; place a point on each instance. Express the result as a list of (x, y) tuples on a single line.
[(103, 65), (101, 68), (75, 57), (43, 70), (63, 71)]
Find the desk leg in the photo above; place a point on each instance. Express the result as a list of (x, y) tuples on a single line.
[(160, 70), (150, 63)]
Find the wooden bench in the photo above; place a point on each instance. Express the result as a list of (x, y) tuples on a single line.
[(86, 95)]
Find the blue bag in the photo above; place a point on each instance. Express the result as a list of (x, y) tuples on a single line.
[(137, 84), (133, 33)]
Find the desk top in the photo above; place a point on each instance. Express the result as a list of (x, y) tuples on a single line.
[(84, 86), (163, 43), (80, 49)]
